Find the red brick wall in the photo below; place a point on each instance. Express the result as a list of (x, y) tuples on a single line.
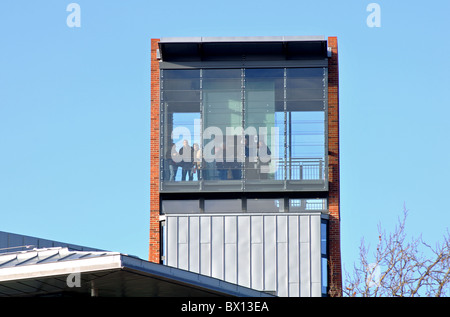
[(154, 247), (335, 276)]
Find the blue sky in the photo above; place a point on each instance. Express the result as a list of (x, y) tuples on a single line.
[(75, 107)]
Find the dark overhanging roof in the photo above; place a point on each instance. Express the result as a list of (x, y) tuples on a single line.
[(257, 48)]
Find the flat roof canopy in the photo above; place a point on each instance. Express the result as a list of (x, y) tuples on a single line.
[(178, 49)]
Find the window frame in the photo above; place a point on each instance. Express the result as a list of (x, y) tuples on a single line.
[(285, 183)]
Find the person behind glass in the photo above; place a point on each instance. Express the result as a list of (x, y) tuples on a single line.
[(264, 158), (250, 152), (171, 159), (220, 154), (187, 161), (197, 160), (246, 148)]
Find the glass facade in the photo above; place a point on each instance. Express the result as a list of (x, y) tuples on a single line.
[(238, 129)]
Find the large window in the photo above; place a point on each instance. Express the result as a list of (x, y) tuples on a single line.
[(305, 123), (243, 129), (222, 115), (180, 91), (264, 114)]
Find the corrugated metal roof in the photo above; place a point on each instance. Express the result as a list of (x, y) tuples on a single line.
[(45, 255), (44, 272), (10, 242)]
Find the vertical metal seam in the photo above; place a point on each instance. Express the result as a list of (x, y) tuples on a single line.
[(243, 123), (199, 244), (188, 242), (288, 256), (251, 253), (177, 250), (310, 256), (223, 249), (326, 132), (285, 127), (263, 253), (211, 248), (201, 125), (299, 254), (237, 250), (276, 255)]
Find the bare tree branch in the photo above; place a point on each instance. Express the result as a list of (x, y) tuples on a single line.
[(398, 267)]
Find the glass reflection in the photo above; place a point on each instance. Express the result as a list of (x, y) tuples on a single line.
[(300, 204), (264, 90), (243, 125), (257, 205), (180, 206), (223, 205), (222, 112)]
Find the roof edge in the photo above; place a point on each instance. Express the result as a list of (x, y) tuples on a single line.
[(237, 39)]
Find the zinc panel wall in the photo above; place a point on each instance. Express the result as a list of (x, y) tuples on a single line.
[(270, 252)]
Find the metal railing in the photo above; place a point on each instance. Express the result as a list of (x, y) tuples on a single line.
[(305, 169), (293, 169)]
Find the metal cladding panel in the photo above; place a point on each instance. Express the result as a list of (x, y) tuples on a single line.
[(270, 253), (305, 258), (194, 246), (316, 261), (243, 250), (231, 258), (293, 249), (267, 252), (305, 269), (171, 242), (183, 230), (205, 245), (282, 255), (217, 247), (230, 249)]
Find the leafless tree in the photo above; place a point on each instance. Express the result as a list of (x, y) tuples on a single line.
[(401, 267)]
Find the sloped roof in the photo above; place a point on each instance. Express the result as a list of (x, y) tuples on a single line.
[(62, 272), (18, 242)]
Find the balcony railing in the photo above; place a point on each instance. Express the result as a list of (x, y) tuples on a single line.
[(305, 169), (222, 175)]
